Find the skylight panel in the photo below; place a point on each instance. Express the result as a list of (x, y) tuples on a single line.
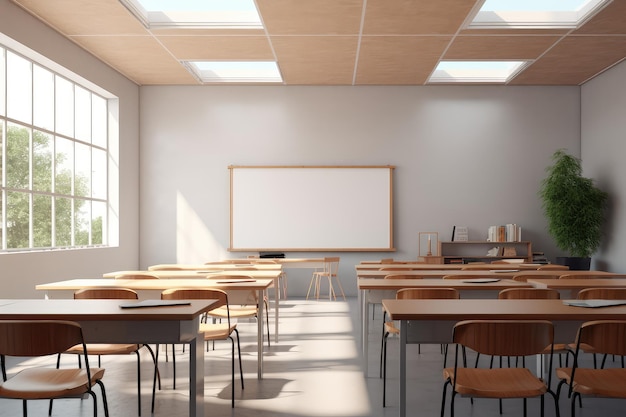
[(476, 71), (530, 14), (223, 14), (235, 71)]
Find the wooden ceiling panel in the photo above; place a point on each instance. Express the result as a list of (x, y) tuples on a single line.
[(140, 58), (80, 17), (218, 47), (499, 47), (311, 17), (609, 21), (574, 60), (399, 60), (316, 59), (416, 17)]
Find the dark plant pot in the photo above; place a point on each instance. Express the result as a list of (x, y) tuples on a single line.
[(574, 263)]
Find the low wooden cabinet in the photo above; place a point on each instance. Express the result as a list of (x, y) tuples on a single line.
[(476, 251)]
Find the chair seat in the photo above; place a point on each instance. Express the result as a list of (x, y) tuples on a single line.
[(390, 327), (235, 312), (596, 382), (488, 383), (219, 331), (44, 383), (105, 349)]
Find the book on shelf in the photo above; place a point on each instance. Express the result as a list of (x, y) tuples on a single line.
[(504, 233), (460, 234)]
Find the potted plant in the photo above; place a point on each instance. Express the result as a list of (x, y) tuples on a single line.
[(575, 210)]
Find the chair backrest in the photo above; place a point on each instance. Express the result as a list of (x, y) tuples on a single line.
[(402, 276), (137, 275), (504, 337), (331, 265), (477, 267), (30, 338), (524, 277), (602, 294), (427, 293), (396, 268), (198, 294), (239, 297), (529, 294), (468, 276), (605, 336), (106, 294), (553, 267), (580, 276)]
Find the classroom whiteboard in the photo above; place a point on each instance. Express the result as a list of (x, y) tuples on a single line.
[(311, 208)]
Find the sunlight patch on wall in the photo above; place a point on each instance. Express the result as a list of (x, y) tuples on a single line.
[(194, 242)]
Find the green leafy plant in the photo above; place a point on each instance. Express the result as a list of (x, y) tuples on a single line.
[(573, 205)]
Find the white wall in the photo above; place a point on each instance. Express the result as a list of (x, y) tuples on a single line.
[(603, 127), (471, 156), (22, 271)]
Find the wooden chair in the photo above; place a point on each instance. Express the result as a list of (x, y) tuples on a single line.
[(606, 337), (137, 275), (330, 270), (242, 303), (212, 331), (553, 267), (389, 327), (24, 338), (524, 277), (599, 294), (105, 349), (514, 338)]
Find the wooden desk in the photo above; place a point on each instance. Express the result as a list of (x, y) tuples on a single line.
[(103, 321), (431, 321), (446, 267), (386, 288), (273, 274), (571, 287), (503, 273), (213, 267), (152, 288)]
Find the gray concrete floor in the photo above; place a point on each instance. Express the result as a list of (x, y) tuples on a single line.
[(314, 370)]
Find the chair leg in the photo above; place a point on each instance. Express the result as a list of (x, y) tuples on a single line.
[(232, 372), (105, 402), (239, 353), (385, 369), (138, 382), (340, 288), (311, 286)]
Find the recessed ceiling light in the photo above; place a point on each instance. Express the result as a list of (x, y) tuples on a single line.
[(235, 71), (231, 14), (476, 71), (530, 14)]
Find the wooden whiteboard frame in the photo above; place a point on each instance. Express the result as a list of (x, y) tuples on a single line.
[(281, 203)]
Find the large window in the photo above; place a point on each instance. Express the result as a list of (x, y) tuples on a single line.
[(53, 157)]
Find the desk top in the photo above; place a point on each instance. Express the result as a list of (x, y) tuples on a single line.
[(422, 266), (468, 309), (396, 284), (216, 267), (578, 284), (260, 274), (89, 310), (156, 284), (503, 273)]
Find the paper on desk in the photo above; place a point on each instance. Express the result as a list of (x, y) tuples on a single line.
[(594, 303)]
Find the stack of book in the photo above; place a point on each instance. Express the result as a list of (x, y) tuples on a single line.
[(505, 233)]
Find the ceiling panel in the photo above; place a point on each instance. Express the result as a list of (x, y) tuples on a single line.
[(340, 42)]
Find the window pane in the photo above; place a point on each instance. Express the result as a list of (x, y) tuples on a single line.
[(83, 114), (42, 161), (19, 88), (82, 175), (98, 219), (17, 158), (82, 222), (99, 174), (18, 220), (62, 221), (64, 170), (64, 103), (2, 91), (43, 98), (42, 221), (99, 121)]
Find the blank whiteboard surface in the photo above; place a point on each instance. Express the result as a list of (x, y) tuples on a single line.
[(311, 208)]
